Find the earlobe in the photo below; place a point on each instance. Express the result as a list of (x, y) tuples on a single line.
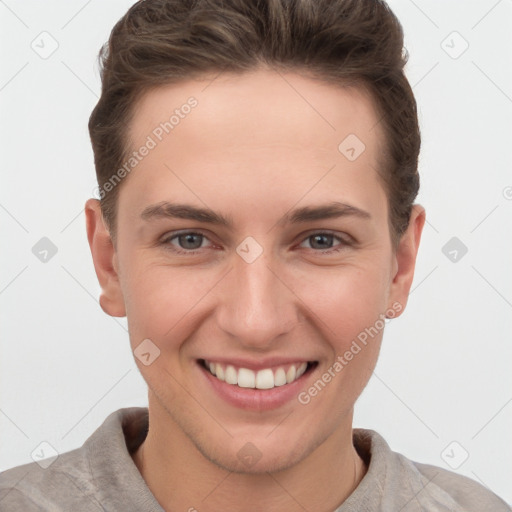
[(405, 258), (104, 258)]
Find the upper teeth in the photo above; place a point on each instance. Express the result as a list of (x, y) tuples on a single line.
[(261, 379)]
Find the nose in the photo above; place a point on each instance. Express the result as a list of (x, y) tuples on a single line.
[(256, 305)]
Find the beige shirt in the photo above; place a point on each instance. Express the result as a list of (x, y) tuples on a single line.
[(101, 476)]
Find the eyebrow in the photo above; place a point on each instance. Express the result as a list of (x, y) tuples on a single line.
[(331, 210)]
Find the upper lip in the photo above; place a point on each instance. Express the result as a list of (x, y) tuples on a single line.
[(257, 364)]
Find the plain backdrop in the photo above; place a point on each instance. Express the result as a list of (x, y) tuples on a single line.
[(442, 389)]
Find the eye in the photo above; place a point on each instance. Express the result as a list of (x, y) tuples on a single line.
[(187, 242), (190, 242), (322, 241)]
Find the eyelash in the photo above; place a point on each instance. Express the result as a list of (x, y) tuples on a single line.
[(166, 241)]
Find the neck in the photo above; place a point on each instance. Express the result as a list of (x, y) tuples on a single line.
[(181, 478)]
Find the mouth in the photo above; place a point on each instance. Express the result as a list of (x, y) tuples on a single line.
[(260, 379)]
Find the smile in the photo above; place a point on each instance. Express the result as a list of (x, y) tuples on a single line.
[(265, 378)]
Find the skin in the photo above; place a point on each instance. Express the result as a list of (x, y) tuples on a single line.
[(253, 149)]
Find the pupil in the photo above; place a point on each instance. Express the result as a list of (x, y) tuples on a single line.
[(320, 238), (189, 240)]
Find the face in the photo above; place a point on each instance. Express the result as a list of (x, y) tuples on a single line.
[(251, 245)]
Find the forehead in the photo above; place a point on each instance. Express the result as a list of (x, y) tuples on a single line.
[(253, 132), (261, 107)]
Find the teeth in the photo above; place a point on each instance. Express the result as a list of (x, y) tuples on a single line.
[(280, 377), (219, 372), (231, 375), (301, 369), (265, 379), (262, 379), (290, 374), (246, 378)]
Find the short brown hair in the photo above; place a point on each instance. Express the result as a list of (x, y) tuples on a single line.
[(342, 42)]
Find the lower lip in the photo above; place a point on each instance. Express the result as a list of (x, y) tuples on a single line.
[(256, 399)]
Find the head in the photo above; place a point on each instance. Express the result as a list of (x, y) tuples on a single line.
[(267, 116)]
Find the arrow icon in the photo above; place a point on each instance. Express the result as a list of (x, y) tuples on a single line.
[(44, 455), (451, 455), (454, 249), (249, 454), (249, 253), (351, 147), (147, 352), (454, 455), (44, 250), (44, 45), (454, 45)]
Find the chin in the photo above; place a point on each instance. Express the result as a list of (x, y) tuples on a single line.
[(251, 461), (259, 454)]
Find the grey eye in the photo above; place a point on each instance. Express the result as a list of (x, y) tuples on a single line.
[(188, 241), (321, 241)]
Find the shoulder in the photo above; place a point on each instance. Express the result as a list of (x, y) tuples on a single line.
[(38, 486), (394, 482), (466, 492), (100, 471)]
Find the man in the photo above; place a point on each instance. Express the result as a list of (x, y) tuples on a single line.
[(257, 170)]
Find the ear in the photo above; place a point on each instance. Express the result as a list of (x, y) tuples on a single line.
[(405, 259), (105, 260)]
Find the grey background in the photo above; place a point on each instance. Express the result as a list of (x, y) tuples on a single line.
[(441, 392)]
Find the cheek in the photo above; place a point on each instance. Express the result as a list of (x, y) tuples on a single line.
[(165, 303), (350, 310), (161, 301), (345, 301)]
